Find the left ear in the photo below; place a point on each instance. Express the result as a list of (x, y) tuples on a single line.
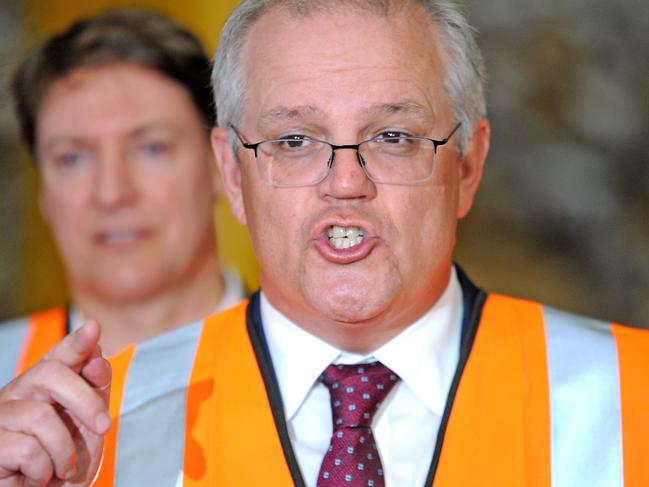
[(471, 166), (230, 172)]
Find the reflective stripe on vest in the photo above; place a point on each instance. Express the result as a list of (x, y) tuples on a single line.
[(12, 339), (24, 341), (586, 423), (145, 445), (541, 401), (46, 329)]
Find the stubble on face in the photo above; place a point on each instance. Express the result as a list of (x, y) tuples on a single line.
[(331, 66)]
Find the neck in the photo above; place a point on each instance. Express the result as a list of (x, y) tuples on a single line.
[(125, 323), (367, 333)]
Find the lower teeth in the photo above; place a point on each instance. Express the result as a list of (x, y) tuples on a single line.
[(345, 242)]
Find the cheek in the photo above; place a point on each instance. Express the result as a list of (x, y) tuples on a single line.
[(271, 223), (426, 223), (64, 209), (184, 211), (67, 215), (274, 221), (185, 191)]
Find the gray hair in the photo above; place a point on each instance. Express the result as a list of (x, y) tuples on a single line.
[(465, 77)]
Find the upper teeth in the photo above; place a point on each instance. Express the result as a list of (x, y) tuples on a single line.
[(344, 237)]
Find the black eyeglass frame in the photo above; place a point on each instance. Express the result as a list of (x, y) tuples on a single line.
[(335, 147)]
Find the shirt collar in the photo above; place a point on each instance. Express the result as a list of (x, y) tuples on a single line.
[(424, 355), (298, 357)]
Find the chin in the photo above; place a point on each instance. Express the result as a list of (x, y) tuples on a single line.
[(353, 302), (126, 295), (126, 288)]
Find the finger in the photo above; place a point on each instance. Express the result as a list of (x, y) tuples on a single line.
[(97, 370), (41, 421), (22, 455), (75, 348), (80, 399), (52, 382)]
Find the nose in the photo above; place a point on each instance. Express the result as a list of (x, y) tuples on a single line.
[(346, 178), (114, 184)]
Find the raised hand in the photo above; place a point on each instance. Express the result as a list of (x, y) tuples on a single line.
[(53, 417)]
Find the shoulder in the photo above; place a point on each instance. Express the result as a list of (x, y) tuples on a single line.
[(559, 327), (225, 320), (561, 317)]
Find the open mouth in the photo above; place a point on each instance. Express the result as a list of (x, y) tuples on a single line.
[(344, 237)]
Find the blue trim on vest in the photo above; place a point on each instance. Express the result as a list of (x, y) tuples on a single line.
[(473, 300), (470, 294), (262, 354)]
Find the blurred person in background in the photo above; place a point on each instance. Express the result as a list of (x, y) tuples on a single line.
[(116, 112)]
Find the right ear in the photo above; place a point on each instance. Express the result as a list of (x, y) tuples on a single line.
[(230, 172)]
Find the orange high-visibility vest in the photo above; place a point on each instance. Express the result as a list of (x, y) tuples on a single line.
[(540, 398), (24, 341)]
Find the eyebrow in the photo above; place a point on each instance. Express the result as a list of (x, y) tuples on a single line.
[(135, 132), (149, 127)]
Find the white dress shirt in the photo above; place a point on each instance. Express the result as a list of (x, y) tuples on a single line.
[(424, 355)]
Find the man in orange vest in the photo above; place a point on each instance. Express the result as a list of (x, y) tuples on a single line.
[(351, 139)]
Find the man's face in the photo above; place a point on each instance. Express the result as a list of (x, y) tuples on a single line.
[(128, 185), (346, 77)]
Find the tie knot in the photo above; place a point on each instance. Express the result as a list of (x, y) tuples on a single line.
[(357, 391)]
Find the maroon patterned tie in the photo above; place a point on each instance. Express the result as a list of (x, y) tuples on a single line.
[(356, 393)]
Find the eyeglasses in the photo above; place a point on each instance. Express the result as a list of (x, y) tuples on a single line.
[(302, 161)]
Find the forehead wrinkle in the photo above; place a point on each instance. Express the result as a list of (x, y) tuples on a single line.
[(407, 107), (283, 114)]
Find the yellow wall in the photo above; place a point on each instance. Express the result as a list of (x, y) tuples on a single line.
[(205, 18)]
